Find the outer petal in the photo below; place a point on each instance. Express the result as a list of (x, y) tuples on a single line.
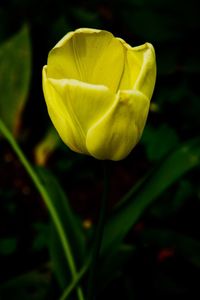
[(114, 136), (132, 66), (85, 103), (146, 79), (140, 68), (61, 118), (88, 55), (81, 105)]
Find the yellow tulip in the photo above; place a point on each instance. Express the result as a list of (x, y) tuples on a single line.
[(98, 90)]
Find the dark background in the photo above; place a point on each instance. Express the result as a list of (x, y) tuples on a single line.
[(158, 267)]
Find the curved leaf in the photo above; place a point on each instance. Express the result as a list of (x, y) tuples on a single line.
[(72, 227), (138, 200), (15, 72)]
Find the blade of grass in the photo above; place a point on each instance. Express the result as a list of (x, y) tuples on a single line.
[(140, 197), (137, 200), (72, 226), (47, 199)]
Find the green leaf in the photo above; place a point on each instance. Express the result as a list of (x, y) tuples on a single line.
[(155, 145), (15, 71), (32, 286), (138, 200), (72, 227), (42, 236), (56, 215), (112, 265), (7, 246), (172, 203)]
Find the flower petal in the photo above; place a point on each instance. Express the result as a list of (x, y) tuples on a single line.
[(80, 104), (114, 136), (140, 68), (146, 79), (88, 55), (85, 103), (60, 117)]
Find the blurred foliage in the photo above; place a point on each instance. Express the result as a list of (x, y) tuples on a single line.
[(46, 146), (151, 244), (15, 59)]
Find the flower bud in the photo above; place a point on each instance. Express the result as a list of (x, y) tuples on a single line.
[(98, 90)]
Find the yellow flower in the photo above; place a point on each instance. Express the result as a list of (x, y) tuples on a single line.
[(97, 90)]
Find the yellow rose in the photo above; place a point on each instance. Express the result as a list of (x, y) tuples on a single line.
[(97, 90)]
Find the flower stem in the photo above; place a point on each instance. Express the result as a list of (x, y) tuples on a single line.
[(47, 199), (69, 289), (98, 235)]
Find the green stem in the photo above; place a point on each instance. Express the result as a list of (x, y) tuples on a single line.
[(69, 289), (98, 235), (44, 194)]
